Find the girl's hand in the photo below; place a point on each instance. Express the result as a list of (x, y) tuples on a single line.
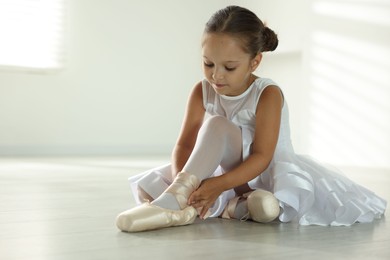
[(204, 197)]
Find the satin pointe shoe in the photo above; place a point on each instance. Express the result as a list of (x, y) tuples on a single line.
[(147, 216), (182, 187), (260, 206), (263, 206)]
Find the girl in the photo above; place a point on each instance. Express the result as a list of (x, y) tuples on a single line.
[(234, 157)]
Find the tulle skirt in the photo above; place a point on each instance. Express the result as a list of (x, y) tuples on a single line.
[(308, 192)]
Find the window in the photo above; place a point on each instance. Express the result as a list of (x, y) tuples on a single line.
[(31, 34)]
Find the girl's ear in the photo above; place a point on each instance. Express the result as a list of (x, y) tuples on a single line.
[(256, 61)]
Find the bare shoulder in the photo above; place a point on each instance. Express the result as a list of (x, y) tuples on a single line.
[(199, 84), (271, 95), (272, 91), (197, 92), (195, 100), (198, 87)]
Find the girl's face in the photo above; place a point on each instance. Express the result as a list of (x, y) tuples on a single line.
[(226, 66)]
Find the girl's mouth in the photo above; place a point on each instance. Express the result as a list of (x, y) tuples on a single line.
[(219, 85)]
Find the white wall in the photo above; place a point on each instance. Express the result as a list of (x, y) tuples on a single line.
[(123, 87), (347, 88), (129, 68), (130, 65)]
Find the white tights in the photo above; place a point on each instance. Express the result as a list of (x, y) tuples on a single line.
[(219, 143)]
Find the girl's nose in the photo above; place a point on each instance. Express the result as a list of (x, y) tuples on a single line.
[(217, 75)]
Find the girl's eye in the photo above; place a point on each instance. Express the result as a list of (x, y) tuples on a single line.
[(210, 65)]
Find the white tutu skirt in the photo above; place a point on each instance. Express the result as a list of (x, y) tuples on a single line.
[(307, 192)]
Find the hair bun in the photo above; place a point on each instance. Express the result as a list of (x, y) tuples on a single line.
[(270, 39)]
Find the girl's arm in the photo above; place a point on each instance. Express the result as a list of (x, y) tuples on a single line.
[(192, 122), (268, 115)]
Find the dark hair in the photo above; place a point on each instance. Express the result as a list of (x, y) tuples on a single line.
[(244, 24)]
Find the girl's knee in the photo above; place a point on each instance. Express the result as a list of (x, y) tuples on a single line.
[(217, 124), (217, 120)]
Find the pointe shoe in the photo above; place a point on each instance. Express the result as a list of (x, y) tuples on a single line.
[(263, 206), (148, 217), (182, 187)]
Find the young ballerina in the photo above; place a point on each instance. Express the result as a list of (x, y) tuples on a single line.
[(234, 157)]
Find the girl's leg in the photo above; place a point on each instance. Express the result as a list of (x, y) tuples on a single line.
[(218, 143)]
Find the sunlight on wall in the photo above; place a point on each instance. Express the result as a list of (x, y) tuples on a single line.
[(363, 10), (31, 33), (349, 110)]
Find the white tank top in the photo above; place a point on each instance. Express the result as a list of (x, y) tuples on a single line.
[(241, 110)]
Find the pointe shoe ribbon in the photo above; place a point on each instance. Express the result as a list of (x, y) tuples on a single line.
[(148, 217), (182, 187), (230, 208)]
